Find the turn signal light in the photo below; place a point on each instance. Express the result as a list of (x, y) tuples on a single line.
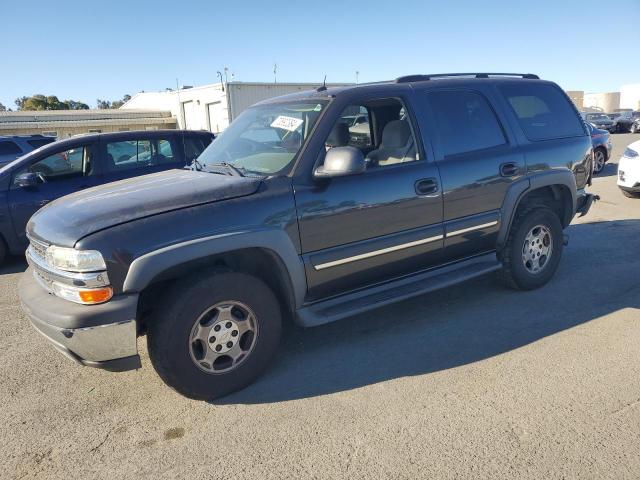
[(84, 296), (95, 295)]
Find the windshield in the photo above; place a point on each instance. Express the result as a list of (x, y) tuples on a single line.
[(265, 139), (597, 116)]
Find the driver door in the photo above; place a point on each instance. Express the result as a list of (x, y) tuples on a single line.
[(61, 173)]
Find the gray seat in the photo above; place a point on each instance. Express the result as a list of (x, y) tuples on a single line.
[(397, 145)]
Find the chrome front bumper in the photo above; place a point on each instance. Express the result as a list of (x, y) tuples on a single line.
[(102, 336)]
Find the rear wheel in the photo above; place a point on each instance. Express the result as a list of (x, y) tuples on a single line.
[(214, 334), (532, 253), (599, 159)]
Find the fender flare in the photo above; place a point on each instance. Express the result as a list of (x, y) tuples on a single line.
[(148, 266), (519, 189)]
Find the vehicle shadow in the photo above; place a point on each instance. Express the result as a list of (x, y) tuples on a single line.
[(457, 326), (609, 170), (13, 264)]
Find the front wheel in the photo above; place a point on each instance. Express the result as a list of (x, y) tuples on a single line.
[(214, 334), (599, 159), (532, 253)]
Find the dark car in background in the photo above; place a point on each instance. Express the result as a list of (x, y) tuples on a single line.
[(623, 120), (599, 120), (601, 142), (82, 162), (12, 147)]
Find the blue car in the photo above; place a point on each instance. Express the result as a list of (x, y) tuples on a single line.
[(601, 142), (77, 163)]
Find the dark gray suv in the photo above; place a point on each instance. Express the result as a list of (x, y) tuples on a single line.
[(285, 216)]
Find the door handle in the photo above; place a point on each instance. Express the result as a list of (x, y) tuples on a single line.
[(509, 169), (426, 186)]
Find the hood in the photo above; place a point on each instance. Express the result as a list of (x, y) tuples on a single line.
[(68, 219)]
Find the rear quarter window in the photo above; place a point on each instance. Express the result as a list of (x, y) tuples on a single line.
[(543, 111)]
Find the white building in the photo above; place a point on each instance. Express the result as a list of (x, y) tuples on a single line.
[(212, 107), (630, 96)]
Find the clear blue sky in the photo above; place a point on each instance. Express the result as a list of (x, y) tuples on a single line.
[(85, 50)]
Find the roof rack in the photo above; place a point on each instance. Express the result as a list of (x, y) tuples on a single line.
[(422, 78)]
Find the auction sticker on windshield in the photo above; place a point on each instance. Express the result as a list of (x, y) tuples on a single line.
[(287, 123)]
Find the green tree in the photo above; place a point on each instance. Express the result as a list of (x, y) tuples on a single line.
[(2, 108), (102, 104), (51, 102)]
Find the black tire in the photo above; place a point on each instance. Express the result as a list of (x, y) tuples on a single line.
[(631, 194), (633, 128), (515, 273), (169, 333)]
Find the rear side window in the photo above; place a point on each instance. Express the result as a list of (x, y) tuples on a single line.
[(9, 148), (130, 154), (465, 122), (543, 111)]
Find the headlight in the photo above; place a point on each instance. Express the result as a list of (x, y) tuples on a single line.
[(630, 153), (72, 260)]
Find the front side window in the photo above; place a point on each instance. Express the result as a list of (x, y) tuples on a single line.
[(544, 112), (379, 129), (265, 139), (465, 122), (132, 154), (71, 163)]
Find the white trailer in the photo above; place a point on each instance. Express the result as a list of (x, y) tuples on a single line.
[(212, 107)]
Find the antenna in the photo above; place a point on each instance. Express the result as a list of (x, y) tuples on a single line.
[(324, 85)]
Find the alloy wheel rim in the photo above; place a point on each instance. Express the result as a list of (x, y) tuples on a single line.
[(222, 337), (599, 160), (537, 249)]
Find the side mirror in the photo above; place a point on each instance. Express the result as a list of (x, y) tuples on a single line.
[(340, 162), (27, 180)]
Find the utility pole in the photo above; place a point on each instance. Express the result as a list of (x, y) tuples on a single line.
[(357, 74), (275, 73)]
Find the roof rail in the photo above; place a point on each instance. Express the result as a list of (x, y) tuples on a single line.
[(422, 78)]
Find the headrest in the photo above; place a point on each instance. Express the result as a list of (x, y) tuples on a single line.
[(395, 134), (339, 136)]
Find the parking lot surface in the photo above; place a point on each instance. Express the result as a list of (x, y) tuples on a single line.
[(474, 381)]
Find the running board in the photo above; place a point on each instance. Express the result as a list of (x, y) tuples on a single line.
[(336, 308)]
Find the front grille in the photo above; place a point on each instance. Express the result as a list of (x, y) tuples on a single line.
[(39, 248)]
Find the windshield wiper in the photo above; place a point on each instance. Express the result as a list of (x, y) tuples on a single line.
[(235, 170)]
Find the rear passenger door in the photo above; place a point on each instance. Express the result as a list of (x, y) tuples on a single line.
[(478, 162)]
